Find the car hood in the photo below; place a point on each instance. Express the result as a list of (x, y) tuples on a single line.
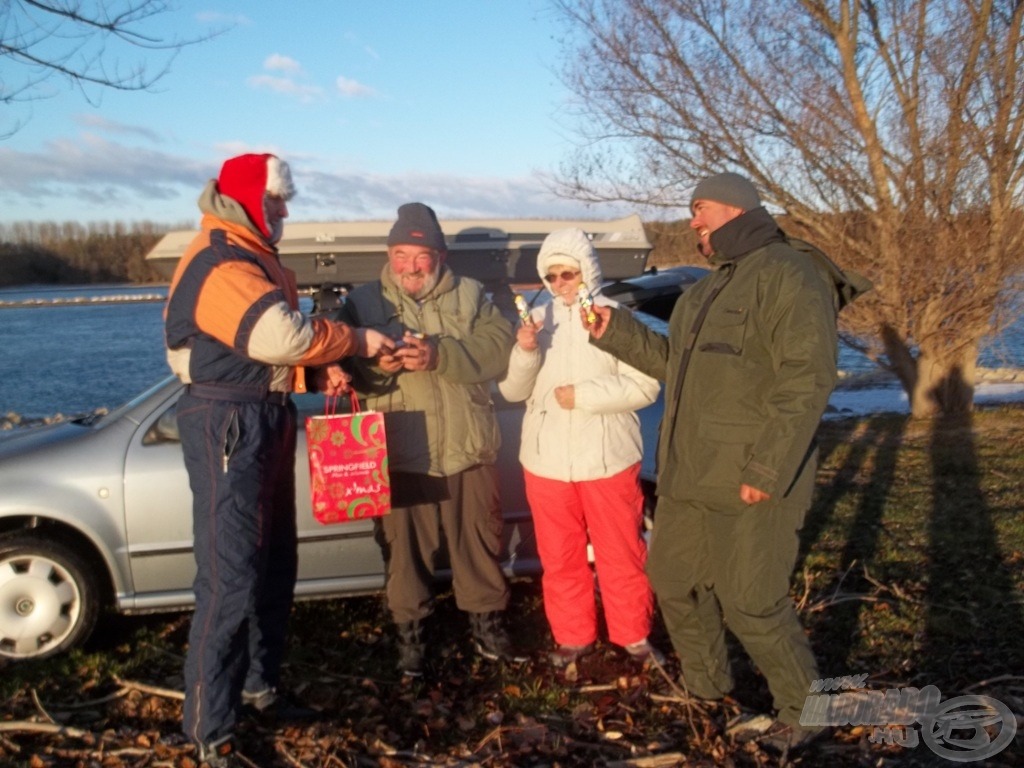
[(31, 439)]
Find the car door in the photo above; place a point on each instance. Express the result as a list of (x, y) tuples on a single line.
[(333, 559)]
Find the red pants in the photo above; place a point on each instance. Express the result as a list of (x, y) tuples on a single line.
[(610, 512)]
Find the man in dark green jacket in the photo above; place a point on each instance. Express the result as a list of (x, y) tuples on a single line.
[(749, 363)]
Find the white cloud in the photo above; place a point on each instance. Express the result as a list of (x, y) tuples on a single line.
[(276, 61), (89, 120), (286, 86), (352, 88), (97, 179)]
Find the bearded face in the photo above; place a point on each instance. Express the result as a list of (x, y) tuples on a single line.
[(415, 268), (275, 211)]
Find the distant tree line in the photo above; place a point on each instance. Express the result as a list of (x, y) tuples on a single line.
[(72, 253)]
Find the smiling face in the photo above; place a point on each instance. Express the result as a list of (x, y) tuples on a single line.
[(415, 268), (709, 215), (564, 281)]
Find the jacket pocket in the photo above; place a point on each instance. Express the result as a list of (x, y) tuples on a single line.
[(473, 435), (724, 332), (725, 449)]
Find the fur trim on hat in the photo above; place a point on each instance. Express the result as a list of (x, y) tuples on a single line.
[(279, 178)]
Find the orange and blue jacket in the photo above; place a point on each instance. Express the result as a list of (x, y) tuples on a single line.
[(232, 316)]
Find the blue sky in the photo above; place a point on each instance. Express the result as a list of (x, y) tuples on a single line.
[(457, 103)]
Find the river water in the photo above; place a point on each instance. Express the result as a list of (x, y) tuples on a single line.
[(75, 358)]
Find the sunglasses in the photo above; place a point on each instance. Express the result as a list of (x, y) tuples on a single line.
[(565, 276)]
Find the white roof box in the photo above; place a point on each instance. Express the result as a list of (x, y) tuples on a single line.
[(491, 250)]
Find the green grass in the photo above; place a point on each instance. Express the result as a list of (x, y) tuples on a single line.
[(911, 570)]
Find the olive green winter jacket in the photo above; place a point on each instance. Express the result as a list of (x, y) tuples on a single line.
[(438, 422), (749, 364)]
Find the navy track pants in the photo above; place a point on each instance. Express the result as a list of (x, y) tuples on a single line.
[(240, 458)]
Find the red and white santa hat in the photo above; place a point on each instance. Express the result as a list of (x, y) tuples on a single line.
[(247, 178)]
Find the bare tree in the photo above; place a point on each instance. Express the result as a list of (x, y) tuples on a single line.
[(80, 42), (889, 131)]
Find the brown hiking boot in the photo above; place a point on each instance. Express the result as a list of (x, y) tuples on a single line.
[(490, 638)]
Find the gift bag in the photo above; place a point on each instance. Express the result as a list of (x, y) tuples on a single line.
[(348, 464)]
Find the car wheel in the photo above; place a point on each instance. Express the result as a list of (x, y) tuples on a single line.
[(49, 597)]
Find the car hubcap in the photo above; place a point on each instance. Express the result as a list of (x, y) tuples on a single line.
[(39, 605)]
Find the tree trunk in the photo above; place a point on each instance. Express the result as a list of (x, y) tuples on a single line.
[(945, 383)]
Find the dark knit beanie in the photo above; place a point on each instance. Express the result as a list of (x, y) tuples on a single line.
[(417, 225), (728, 188)]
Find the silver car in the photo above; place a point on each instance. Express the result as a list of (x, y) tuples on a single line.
[(96, 513)]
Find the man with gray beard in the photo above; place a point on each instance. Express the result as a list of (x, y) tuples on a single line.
[(443, 436)]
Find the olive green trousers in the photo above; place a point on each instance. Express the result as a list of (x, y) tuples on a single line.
[(713, 568)]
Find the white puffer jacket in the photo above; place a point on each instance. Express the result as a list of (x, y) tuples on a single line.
[(601, 435)]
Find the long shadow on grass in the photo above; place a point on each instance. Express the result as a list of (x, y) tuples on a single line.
[(973, 618), (867, 471)]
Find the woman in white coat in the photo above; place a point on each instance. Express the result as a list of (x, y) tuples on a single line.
[(580, 451)]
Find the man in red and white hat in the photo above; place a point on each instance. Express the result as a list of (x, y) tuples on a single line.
[(236, 338)]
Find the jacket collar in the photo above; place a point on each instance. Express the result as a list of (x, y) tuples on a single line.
[(230, 215), (239, 234), (749, 231)]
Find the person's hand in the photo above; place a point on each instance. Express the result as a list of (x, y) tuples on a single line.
[(751, 495), (526, 336), (390, 363), (372, 342), (602, 316), (417, 354), (331, 380), (566, 396)]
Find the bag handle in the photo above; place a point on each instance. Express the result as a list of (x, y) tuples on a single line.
[(331, 403)]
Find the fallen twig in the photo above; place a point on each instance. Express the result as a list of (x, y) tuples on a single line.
[(39, 707), (167, 693), (808, 578), (27, 726), (828, 602), (653, 761), (598, 688), (991, 680), (288, 756)]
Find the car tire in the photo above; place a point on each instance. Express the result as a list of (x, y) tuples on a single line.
[(49, 597)]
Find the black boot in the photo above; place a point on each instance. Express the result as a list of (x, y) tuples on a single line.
[(275, 708), (410, 648), (490, 638)]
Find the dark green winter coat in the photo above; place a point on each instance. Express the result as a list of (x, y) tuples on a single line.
[(749, 364)]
